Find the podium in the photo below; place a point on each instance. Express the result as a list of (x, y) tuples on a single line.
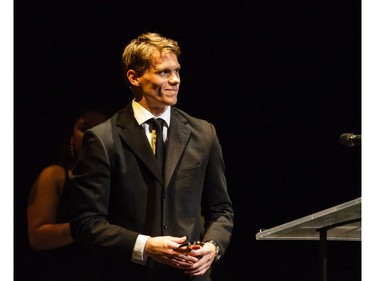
[(339, 223)]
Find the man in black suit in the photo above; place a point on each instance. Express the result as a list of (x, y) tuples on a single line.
[(142, 213)]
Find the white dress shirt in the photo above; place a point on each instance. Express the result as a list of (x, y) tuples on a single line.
[(142, 115)]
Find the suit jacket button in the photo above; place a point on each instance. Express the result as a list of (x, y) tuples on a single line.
[(165, 226)]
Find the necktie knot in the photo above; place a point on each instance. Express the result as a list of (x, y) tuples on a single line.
[(159, 124), (156, 124)]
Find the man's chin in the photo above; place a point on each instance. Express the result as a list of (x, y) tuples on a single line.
[(171, 101)]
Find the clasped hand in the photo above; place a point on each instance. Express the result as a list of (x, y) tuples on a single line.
[(194, 259)]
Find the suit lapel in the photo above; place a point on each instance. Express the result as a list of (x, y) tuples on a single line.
[(178, 137), (136, 139)]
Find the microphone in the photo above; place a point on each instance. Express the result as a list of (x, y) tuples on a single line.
[(350, 139)]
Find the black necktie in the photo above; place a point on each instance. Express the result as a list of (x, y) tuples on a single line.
[(157, 125)]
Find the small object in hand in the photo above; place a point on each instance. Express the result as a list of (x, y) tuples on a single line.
[(190, 246)]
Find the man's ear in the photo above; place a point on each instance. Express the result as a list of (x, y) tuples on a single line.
[(133, 77)]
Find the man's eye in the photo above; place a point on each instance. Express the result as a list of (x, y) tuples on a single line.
[(164, 72)]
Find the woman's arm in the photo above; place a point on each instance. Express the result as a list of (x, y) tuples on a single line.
[(44, 232)]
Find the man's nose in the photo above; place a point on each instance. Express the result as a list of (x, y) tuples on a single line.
[(174, 78)]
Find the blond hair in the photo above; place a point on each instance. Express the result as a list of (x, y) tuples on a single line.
[(138, 53)]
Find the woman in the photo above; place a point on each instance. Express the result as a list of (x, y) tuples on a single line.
[(48, 210)]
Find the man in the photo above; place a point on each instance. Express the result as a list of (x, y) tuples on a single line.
[(145, 214)]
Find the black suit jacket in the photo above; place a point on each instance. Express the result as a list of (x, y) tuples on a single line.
[(120, 191)]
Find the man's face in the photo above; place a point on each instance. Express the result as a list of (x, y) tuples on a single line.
[(159, 85)]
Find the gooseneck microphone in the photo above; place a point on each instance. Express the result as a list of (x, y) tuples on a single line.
[(350, 139)]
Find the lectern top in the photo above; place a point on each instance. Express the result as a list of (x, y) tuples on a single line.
[(342, 221)]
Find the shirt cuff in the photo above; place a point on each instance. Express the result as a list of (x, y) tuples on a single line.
[(138, 255)]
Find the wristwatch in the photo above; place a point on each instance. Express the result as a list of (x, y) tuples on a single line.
[(217, 249)]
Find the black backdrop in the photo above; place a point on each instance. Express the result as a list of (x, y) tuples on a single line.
[(280, 80)]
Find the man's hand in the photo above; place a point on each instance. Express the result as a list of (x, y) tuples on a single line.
[(205, 256), (164, 249)]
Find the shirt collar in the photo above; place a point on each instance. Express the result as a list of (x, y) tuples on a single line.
[(141, 114)]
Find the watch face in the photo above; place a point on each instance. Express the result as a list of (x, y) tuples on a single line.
[(217, 254)]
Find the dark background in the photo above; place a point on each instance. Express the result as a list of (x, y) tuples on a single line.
[(280, 80)]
